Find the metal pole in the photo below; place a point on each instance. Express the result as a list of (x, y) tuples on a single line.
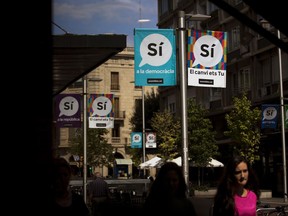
[(183, 86), (282, 120), (85, 138), (143, 127)]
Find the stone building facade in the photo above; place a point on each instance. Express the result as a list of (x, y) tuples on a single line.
[(115, 76)]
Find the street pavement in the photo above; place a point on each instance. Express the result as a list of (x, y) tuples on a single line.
[(202, 205)]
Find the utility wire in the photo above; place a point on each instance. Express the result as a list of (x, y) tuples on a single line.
[(66, 32)]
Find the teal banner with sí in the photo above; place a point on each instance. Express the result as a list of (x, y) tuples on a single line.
[(154, 57), (136, 140)]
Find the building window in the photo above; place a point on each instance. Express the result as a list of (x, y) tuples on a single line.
[(138, 104), (137, 87), (116, 107), (165, 6), (171, 101), (115, 81), (266, 71), (275, 68), (172, 108), (235, 83), (234, 38), (215, 94), (116, 130), (244, 79)]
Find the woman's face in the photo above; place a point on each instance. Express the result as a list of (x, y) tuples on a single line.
[(62, 179), (241, 173), (172, 180)]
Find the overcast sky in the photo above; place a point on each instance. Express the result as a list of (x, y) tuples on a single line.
[(94, 17)]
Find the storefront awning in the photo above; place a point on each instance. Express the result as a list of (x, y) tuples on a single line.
[(123, 161), (76, 55)]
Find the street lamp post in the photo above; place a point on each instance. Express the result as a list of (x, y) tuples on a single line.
[(282, 119), (85, 133), (183, 88), (143, 127), (141, 20), (183, 83), (264, 22), (85, 138)]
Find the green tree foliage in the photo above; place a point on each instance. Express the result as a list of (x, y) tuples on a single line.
[(99, 152), (202, 144), (168, 132), (243, 128), (151, 103), (135, 153)]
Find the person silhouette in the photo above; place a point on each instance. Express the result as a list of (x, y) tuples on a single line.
[(63, 200), (168, 193), (99, 195)]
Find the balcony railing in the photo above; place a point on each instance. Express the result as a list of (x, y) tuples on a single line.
[(116, 140)]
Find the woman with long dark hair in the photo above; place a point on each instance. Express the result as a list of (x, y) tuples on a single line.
[(238, 190)]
